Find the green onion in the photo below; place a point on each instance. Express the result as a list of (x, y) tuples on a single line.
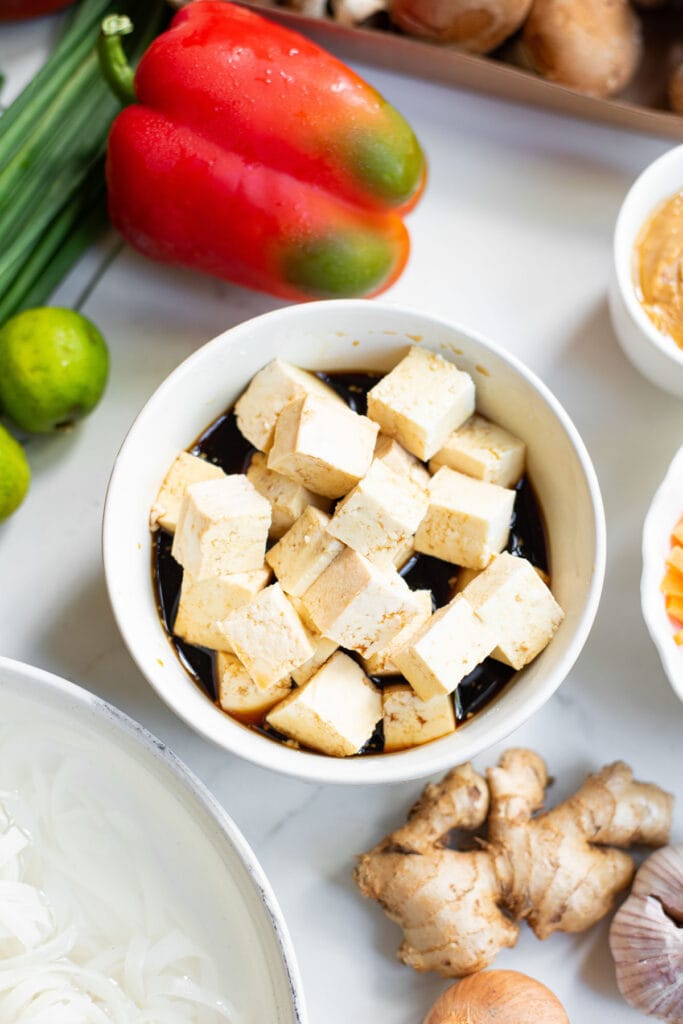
[(52, 143)]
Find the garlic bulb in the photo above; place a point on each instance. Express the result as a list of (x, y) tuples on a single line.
[(646, 937), (503, 997)]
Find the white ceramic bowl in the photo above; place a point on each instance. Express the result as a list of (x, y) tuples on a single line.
[(347, 335), (656, 356), (664, 512), (198, 850)]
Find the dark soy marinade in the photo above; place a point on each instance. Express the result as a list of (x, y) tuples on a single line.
[(222, 444)]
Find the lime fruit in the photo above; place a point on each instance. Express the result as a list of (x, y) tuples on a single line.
[(14, 474), (53, 368)]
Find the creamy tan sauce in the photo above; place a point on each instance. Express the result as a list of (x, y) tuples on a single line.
[(659, 267)]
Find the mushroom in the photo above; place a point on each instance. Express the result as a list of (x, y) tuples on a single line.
[(503, 997), (354, 12), (590, 45), (477, 26), (676, 89), (310, 8), (646, 937)]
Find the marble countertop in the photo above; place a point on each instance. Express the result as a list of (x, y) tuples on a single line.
[(512, 239)]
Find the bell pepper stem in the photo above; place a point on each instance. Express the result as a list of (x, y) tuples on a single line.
[(114, 65)]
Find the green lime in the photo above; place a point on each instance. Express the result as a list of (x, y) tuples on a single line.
[(14, 474), (53, 368)]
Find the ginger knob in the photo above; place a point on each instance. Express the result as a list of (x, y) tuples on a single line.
[(503, 997)]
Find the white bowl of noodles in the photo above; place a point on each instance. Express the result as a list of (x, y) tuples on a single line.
[(127, 895)]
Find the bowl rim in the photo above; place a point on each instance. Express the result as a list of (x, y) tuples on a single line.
[(124, 725), (670, 655), (622, 254), (417, 762)]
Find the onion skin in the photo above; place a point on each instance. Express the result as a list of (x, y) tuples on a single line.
[(497, 997), (646, 938)]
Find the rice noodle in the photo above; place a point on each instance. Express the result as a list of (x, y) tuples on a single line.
[(86, 935)]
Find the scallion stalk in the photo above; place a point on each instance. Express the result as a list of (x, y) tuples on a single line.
[(52, 140)]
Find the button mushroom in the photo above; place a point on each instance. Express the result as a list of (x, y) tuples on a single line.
[(646, 937), (593, 46), (676, 89), (355, 12), (477, 26)]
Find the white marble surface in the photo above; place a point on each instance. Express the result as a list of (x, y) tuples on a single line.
[(512, 238)]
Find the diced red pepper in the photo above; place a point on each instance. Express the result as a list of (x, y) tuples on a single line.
[(255, 156), (16, 9)]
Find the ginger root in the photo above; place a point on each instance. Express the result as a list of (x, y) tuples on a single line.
[(459, 907)]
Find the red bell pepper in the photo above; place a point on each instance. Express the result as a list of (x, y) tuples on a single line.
[(15, 9), (255, 156)]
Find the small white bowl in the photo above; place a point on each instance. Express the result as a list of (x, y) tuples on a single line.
[(348, 335), (657, 356), (664, 512), (197, 850)]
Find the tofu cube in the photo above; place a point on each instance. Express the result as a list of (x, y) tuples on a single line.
[(239, 695), (204, 604), (512, 599), (410, 721), (288, 500), (379, 517), (323, 647), (446, 649), (403, 553), (423, 400), (360, 605), (222, 528), (335, 712), (269, 391), (395, 457), (467, 522), (323, 445), (464, 578), (186, 469), (304, 552), (483, 450), (268, 637), (380, 663)]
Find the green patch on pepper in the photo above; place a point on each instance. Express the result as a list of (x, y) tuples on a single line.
[(342, 264), (389, 161)]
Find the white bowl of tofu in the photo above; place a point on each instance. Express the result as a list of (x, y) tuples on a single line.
[(303, 561)]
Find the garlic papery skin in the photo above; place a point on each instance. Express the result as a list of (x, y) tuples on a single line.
[(497, 997), (646, 938)]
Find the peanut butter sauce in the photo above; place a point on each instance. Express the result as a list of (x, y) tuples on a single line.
[(659, 267)]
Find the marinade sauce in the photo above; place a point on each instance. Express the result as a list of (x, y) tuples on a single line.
[(222, 444)]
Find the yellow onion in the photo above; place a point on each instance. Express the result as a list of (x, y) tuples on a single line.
[(497, 997)]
